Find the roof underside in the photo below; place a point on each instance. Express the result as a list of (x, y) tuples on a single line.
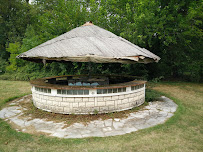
[(89, 44)]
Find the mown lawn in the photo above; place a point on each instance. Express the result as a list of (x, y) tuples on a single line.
[(182, 133)]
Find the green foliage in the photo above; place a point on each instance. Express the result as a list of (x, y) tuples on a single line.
[(151, 95), (14, 50), (170, 29), (31, 39), (3, 65), (14, 17), (95, 111)]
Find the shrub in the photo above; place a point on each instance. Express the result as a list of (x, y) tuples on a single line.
[(151, 95), (3, 65)]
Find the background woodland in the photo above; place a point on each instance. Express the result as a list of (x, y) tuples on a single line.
[(169, 28)]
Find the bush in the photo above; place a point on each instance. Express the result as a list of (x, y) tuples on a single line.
[(151, 95), (3, 65)]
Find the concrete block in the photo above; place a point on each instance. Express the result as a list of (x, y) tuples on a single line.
[(89, 104), (120, 107), (77, 110), (121, 96), (132, 95), (126, 105), (52, 108), (71, 105), (85, 99), (37, 95), (100, 99), (33, 95), (142, 100), (138, 102), (51, 98), (65, 104), (119, 101), (72, 111), (82, 104), (42, 106), (110, 103), (140, 93), (75, 105), (131, 99), (59, 99), (135, 98), (46, 107), (111, 108), (85, 110), (37, 104), (34, 98), (125, 101), (91, 99), (64, 99), (101, 104), (40, 100), (108, 98), (49, 102), (55, 103), (66, 110), (44, 102), (127, 95), (104, 109), (114, 97), (78, 99), (59, 109), (70, 99), (45, 97), (116, 102), (42, 97)]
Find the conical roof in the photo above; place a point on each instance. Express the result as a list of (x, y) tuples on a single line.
[(89, 43)]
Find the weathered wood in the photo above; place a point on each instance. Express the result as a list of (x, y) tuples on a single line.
[(89, 43)]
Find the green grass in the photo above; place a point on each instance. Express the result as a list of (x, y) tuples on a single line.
[(181, 133)]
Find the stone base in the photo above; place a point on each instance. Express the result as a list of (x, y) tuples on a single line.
[(90, 104), (151, 115)]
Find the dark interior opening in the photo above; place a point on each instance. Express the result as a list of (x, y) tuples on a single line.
[(89, 80)]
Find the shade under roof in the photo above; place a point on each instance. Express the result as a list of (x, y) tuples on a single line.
[(89, 43)]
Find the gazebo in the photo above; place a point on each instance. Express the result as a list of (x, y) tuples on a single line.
[(84, 94)]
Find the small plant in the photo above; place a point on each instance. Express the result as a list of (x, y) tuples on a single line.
[(96, 111), (155, 80)]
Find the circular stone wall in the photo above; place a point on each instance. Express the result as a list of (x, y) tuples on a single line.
[(87, 99)]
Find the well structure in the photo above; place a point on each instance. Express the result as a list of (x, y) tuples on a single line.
[(74, 94), (84, 95)]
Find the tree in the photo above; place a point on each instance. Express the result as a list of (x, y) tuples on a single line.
[(171, 29)]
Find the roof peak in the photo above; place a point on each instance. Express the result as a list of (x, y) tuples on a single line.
[(88, 23), (79, 45)]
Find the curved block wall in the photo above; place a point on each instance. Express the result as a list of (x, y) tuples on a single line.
[(91, 102)]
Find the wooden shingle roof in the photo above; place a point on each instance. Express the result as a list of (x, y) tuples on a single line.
[(89, 43)]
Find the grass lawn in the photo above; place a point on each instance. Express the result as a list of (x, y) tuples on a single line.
[(182, 133)]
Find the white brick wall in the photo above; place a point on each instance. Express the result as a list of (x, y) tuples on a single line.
[(86, 105)]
